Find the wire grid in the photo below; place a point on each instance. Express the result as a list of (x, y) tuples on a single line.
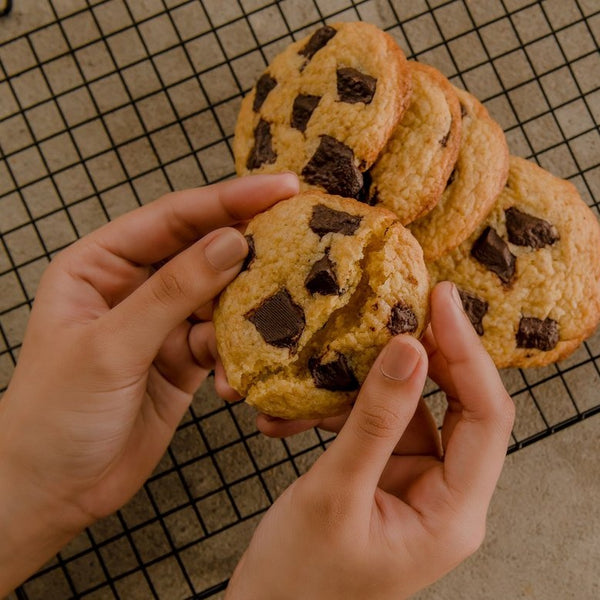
[(107, 104)]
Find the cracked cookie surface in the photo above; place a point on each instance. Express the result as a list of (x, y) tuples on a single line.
[(529, 276), (324, 108), (330, 280)]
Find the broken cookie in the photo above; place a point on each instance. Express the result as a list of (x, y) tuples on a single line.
[(330, 281)]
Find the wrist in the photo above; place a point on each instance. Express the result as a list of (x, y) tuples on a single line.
[(35, 525)]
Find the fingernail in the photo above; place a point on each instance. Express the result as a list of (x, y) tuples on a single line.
[(226, 249), (290, 178), (456, 297), (400, 359)]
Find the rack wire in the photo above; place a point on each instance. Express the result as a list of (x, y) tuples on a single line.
[(107, 104)]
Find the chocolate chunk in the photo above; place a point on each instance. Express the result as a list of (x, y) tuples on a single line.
[(493, 252), (535, 333), (336, 376), (328, 220), (475, 308), (279, 320), (263, 86), (374, 197), (366, 195), (332, 167), (322, 278), (317, 40), (527, 230), (303, 108), (354, 86), (262, 151), (402, 319), (251, 253), (463, 110)]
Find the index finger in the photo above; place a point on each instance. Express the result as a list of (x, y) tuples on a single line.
[(165, 226), (477, 445)]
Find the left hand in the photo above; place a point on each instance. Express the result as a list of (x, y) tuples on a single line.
[(110, 362)]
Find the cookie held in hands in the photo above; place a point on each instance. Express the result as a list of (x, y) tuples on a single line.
[(328, 282)]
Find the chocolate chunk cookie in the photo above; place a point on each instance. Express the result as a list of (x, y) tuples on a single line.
[(329, 282), (477, 178), (529, 276), (324, 108), (411, 174)]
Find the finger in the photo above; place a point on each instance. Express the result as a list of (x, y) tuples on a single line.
[(162, 228), (202, 341), (176, 363), (203, 313), (222, 387), (202, 344), (452, 416), (276, 427), (279, 428), (383, 409), (191, 279), (438, 366), (421, 436), (440, 373), (402, 472), (476, 449)]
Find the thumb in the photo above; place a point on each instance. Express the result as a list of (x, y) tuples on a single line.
[(385, 406), (191, 279)]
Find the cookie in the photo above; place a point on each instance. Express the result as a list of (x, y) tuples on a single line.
[(324, 108), (477, 178), (529, 276), (328, 282), (411, 174)]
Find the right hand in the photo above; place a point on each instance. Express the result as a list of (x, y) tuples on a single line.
[(380, 514)]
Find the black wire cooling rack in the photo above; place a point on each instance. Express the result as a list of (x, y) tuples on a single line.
[(107, 104)]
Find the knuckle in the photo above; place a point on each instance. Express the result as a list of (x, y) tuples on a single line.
[(167, 287), (377, 421), (68, 259), (60, 261), (503, 413), (179, 225), (508, 411)]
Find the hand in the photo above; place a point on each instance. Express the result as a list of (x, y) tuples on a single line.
[(110, 362), (380, 515)]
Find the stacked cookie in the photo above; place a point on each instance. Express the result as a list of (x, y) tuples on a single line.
[(392, 143), (529, 274)]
